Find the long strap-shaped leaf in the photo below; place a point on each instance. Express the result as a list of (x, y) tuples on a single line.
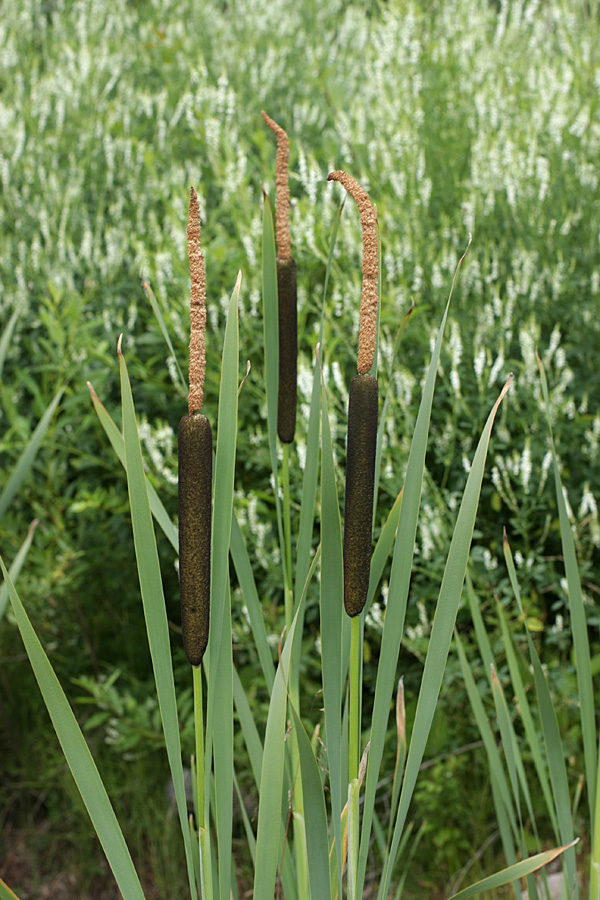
[(153, 601), (524, 709), (28, 455), (397, 595), (443, 626), (116, 439), (334, 623), (578, 622), (17, 566), (519, 870), (6, 893), (219, 712), (268, 847), (552, 740), (80, 760)]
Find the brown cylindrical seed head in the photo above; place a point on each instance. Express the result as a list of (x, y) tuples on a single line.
[(197, 308), (195, 484), (360, 487), (288, 349), (367, 337)]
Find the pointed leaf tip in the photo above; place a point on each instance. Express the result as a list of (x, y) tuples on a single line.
[(119, 353)]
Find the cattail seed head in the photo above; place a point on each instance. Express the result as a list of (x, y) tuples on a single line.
[(360, 489), (195, 486), (288, 349)]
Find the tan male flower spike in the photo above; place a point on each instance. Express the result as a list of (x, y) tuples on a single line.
[(197, 308), (362, 417), (282, 189), (367, 337), (286, 292), (194, 444)]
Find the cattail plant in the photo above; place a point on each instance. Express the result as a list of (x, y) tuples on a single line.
[(286, 291), (195, 465), (362, 416)]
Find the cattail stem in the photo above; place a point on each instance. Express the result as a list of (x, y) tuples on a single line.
[(354, 718), (287, 532), (199, 729)]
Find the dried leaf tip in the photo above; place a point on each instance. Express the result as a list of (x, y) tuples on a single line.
[(197, 308), (367, 338), (282, 189)]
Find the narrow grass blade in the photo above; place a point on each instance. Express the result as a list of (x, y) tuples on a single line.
[(315, 815), (243, 569), (17, 566), (6, 893), (250, 839), (400, 749), (514, 760), (268, 845), (255, 755), (595, 854), (552, 740), (382, 550), (529, 728), (332, 611), (493, 754), (153, 601), (579, 631), (7, 335), (508, 739), (221, 686), (443, 626), (248, 726), (398, 595), (161, 324), (116, 439), (311, 465), (219, 712), (77, 754), (512, 873), (28, 455), (480, 630), (386, 401)]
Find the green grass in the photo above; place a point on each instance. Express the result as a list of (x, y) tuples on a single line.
[(480, 120)]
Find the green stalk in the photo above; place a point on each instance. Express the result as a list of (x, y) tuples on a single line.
[(595, 860), (353, 837), (203, 831), (199, 729), (354, 725)]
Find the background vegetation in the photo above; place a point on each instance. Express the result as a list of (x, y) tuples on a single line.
[(458, 118)]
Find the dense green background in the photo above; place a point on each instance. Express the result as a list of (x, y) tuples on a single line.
[(457, 117)]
